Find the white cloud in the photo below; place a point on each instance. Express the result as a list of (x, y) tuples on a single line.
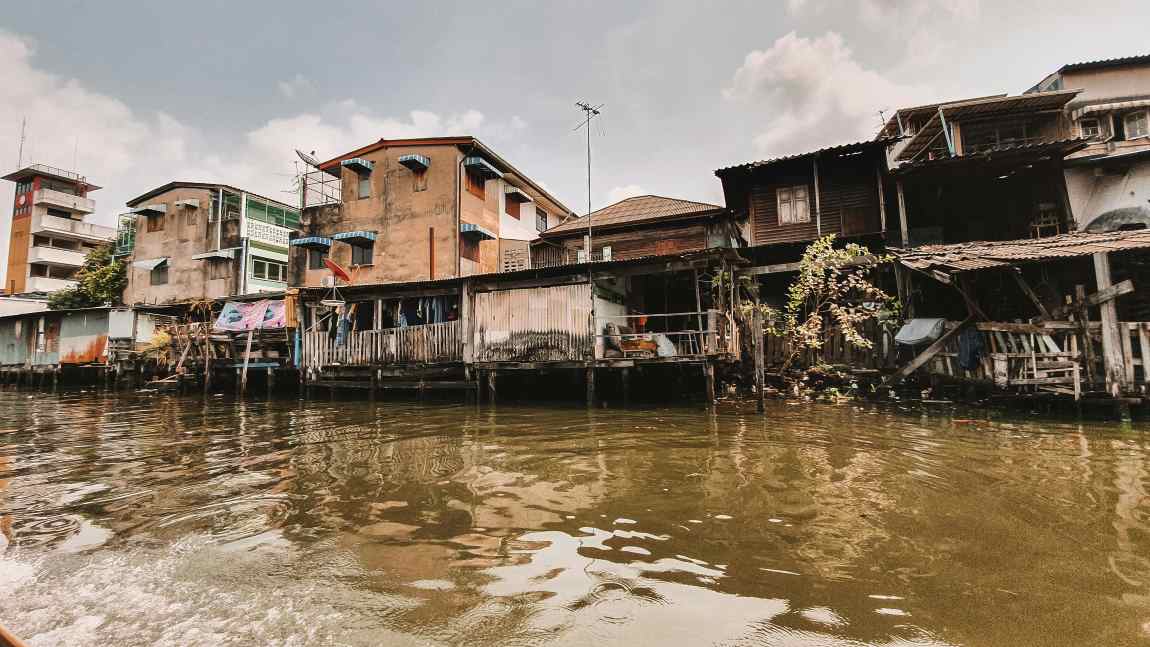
[(623, 192), (813, 93), (296, 86), (130, 151)]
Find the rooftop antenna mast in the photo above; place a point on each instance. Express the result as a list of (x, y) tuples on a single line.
[(590, 112), (23, 130)]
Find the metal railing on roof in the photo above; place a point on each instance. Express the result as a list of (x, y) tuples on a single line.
[(52, 170)]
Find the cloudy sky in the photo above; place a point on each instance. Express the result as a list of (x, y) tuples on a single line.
[(137, 93)]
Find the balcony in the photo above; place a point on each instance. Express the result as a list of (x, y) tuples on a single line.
[(56, 256), (65, 201), (46, 284), (68, 228)]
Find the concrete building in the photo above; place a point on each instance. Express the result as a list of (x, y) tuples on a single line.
[(49, 236), (419, 209), (188, 241), (1108, 181)]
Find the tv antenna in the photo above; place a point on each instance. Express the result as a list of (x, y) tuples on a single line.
[(23, 131), (590, 113)]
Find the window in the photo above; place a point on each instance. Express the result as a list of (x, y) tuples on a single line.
[(364, 187), (159, 274), (540, 219), (469, 249), (231, 206), (219, 268), (41, 241), (269, 270), (155, 223), (1136, 124), (793, 205), (512, 208), (362, 254), (1090, 128), (315, 258), (476, 185)]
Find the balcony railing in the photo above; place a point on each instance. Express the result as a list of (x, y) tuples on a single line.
[(46, 284), (68, 228), (58, 172), (56, 256), (62, 200), (680, 334), (425, 344)]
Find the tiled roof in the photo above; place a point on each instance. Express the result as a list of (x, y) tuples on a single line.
[(840, 149), (964, 257), (1106, 62), (640, 209)]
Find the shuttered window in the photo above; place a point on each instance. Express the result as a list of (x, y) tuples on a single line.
[(793, 205)]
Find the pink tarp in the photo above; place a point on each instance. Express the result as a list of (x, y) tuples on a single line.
[(241, 317)]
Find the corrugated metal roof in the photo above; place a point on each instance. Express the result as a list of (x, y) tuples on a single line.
[(1106, 62), (636, 210), (966, 257), (840, 149), (1059, 146)]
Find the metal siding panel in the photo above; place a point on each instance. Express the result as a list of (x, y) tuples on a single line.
[(533, 324)]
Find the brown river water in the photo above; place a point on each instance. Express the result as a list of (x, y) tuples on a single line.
[(160, 520)]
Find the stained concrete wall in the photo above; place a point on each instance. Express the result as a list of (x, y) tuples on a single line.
[(1102, 188), (186, 232)]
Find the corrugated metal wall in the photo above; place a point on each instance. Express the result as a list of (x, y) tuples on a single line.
[(547, 324), (84, 337), (14, 340)]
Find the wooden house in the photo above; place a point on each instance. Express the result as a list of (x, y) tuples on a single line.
[(647, 225)]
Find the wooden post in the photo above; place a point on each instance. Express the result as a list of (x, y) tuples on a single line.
[(491, 385), (271, 385), (1083, 315), (590, 386), (709, 378), (760, 365), (247, 355), (1111, 335), (881, 200), (625, 376), (903, 216), (818, 202)]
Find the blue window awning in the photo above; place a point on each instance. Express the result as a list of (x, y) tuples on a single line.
[(151, 210), (312, 242), (358, 164), (151, 263), (516, 194), (482, 168), (416, 163), (475, 232), (355, 237)]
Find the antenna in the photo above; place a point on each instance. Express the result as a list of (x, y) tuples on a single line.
[(591, 112), (23, 130)]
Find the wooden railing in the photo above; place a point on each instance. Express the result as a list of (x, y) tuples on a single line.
[(426, 344), (836, 350), (705, 333)]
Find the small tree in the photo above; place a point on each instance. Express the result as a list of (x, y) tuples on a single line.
[(100, 280), (832, 286)]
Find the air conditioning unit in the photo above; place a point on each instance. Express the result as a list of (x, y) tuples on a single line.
[(327, 282)]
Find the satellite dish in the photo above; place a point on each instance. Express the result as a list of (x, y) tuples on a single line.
[(307, 159)]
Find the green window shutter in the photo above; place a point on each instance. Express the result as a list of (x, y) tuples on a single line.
[(291, 217), (275, 215), (257, 210)]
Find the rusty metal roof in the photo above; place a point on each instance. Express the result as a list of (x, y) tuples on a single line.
[(1028, 150), (982, 255), (1106, 62), (636, 210), (840, 149)]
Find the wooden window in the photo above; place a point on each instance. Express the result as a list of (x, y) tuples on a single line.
[(364, 187), (794, 206), (476, 185), (159, 274), (540, 219), (1136, 124), (511, 207), (362, 254), (315, 258), (155, 223), (1091, 128), (469, 249)]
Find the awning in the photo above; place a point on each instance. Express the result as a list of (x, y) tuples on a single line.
[(482, 168), (228, 253), (190, 202), (415, 162), (151, 210), (1113, 106), (355, 237), (358, 164), (475, 232), (151, 263), (516, 194), (312, 242)]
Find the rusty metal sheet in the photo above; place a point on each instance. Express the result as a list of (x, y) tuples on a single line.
[(533, 324), (965, 257)]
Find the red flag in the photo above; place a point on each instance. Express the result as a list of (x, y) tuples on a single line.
[(337, 270)]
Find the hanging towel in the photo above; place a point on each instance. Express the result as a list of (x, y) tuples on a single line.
[(970, 348), (920, 331)]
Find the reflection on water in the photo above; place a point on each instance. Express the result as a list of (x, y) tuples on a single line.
[(148, 520)]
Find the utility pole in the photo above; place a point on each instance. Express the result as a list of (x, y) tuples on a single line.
[(590, 112)]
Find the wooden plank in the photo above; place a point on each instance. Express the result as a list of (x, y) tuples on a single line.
[(1127, 355), (930, 352), (1030, 294), (1144, 351), (1111, 292), (770, 269)]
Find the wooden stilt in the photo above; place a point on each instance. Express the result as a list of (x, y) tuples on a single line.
[(625, 375), (757, 343), (590, 386), (709, 379), (492, 387), (1112, 356), (247, 356)]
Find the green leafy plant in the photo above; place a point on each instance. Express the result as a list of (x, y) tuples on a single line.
[(833, 290), (99, 281)]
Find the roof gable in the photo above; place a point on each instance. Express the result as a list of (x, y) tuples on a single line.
[(638, 210)]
